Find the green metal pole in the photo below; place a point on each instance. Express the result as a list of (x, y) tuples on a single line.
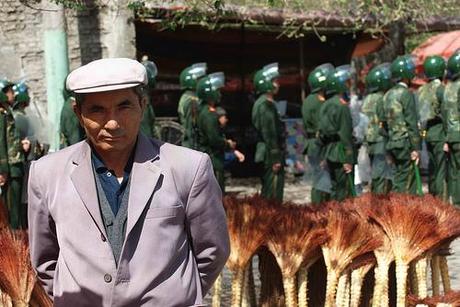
[(57, 66)]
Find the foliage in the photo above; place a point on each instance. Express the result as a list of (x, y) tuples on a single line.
[(372, 16)]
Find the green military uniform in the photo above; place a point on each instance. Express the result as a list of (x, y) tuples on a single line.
[(377, 82), (148, 122), (271, 144), (451, 116), (310, 111), (335, 132), (213, 141), (400, 117), (14, 167), (188, 108), (429, 102), (211, 136), (71, 130)]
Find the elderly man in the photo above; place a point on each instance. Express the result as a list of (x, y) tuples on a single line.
[(121, 219)]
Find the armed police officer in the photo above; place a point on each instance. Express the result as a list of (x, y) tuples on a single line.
[(271, 145), (310, 110), (399, 118), (429, 99), (189, 103)]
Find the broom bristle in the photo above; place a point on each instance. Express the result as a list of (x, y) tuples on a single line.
[(17, 277), (295, 238), (348, 238), (451, 298), (248, 220), (39, 298), (411, 231)]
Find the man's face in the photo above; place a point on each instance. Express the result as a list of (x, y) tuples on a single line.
[(276, 86), (223, 120), (111, 119), (10, 94)]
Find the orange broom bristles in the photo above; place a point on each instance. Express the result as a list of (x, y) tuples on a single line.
[(451, 298), (17, 277)]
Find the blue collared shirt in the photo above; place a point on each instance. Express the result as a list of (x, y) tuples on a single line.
[(112, 188)]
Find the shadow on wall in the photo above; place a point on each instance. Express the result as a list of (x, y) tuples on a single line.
[(89, 33)]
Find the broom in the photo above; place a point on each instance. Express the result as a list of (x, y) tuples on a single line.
[(295, 239), (349, 238), (247, 227), (359, 269), (17, 277), (39, 297), (411, 232), (364, 206)]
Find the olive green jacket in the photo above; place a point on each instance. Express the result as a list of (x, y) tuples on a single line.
[(310, 114), (451, 111), (211, 137), (336, 130)]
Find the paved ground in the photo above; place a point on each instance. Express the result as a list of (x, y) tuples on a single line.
[(298, 191)]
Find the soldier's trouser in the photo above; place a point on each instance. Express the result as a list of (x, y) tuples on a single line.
[(437, 170), (341, 181), (318, 196), (454, 172), (13, 201), (379, 184), (273, 184), (404, 173)]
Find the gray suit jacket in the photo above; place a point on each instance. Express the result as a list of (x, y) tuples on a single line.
[(176, 238)]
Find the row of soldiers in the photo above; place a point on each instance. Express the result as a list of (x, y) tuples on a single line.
[(19, 145), (397, 121)]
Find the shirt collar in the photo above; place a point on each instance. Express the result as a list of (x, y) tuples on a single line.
[(100, 167)]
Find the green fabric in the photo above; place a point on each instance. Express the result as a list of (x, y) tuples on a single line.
[(437, 170), (12, 199), (71, 130), (400, 115), (310, 110), (340, 181), (255, 110), (189, 110), (369, 108), (429, 98), (454, 173), (318, 197), (148, 122), (4, 167), (273, 184), (335, 129), (451, 111), (271, 133), (212, 139), (404, 174)]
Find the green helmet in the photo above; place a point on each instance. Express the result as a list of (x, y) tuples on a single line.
[(434, 67), (263, 79), (453, 65), (22, 98), (190, 75), (403, 68), (336, 81), (152, 72), (317, 78), (3, 97), (208, 88), (379, 78)]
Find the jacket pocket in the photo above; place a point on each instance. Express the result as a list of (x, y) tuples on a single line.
[(163, 212)]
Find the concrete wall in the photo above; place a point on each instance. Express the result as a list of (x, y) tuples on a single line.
[(92, 34)]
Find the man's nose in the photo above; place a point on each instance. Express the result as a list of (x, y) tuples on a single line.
[(112, 124)]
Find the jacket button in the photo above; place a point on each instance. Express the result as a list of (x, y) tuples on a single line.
[(107, 278), (103, 238)]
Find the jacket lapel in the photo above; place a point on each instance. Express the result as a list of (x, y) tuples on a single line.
[(144, 178), (83, 179)]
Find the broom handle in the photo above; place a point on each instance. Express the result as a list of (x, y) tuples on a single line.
[(341, 290), (290, 291), (217, 291), (302, 281), (380, 298), (237, 284), (245, 300), (332, 281), (420, 271), (418, 179), (357, 279), (401, 283), (435, 275), (444, 273)]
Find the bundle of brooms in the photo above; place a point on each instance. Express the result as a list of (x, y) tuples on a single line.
[(354, 236), (18, 283)]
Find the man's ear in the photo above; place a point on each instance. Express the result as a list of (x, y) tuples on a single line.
[(77, 110), (143, 103)]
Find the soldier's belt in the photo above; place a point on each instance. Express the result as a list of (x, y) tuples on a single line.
[(330, 138)]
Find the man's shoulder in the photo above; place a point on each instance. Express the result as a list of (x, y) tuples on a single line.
[(179, 155), (56, 159)]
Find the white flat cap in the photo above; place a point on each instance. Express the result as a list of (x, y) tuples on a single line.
[(106, 75)]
